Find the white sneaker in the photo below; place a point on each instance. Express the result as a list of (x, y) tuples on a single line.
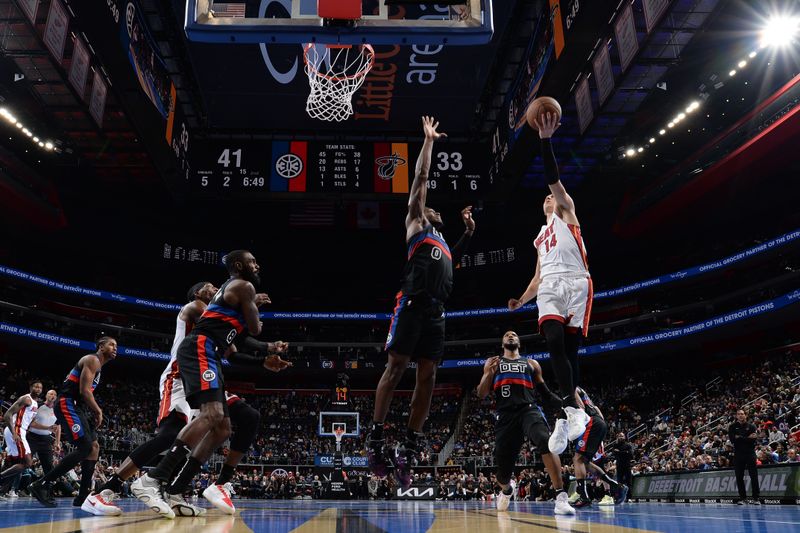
[(576, 420), (607, 500), (229, 488), (502, 501), (558, 440), (562, 505), (12, 495), (147, 491), (181, 507), (100, 504), (219, 498)]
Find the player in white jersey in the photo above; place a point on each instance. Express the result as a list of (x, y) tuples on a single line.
[(562, 288), (173, 411), (18, 418)]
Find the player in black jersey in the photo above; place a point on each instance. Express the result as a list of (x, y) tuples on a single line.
[(417, 327), (232, 310), (513, 380), (587, 447), (79, 415)]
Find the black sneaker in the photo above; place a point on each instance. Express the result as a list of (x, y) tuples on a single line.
[(582, 502), (403, 460), (378, 462), (622, 495), (41, 491)]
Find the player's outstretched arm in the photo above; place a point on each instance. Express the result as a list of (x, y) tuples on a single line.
[(530, 291), (419, 188), (547, 123)]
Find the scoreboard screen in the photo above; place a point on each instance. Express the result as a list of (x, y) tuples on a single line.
[(264, 167)]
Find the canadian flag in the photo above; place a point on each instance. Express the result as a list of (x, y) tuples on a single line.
[(368, 215)]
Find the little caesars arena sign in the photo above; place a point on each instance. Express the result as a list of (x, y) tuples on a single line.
[(778, 484)]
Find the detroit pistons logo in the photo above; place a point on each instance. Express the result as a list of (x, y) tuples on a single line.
[(209, 376), (387, 165), (76, 428)]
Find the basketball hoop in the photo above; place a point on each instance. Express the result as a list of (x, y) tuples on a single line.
[(335, 73), (338, 433)]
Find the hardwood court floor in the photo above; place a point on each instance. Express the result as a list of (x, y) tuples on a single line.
[(281, 516)]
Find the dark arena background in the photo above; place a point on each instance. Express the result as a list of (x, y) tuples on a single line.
[(143, 140)]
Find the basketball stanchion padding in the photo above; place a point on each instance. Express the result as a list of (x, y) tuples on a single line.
[(339, 9)]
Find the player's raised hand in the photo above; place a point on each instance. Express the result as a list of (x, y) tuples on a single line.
[(514, 304), (429, 126), (274, 363), (547, 124), (466, 216), (491, 364), (262, 298)]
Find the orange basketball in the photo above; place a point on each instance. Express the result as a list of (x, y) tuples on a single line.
[(540, 106)]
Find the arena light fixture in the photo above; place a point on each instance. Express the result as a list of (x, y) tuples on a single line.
[(742, 64), (6, 114), (652, 140), (630, 152), (780, 31), (732, 73), (640, 149), (752, 54), (662, 131)]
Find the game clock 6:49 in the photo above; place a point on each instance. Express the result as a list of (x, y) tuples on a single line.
[(228, 166)]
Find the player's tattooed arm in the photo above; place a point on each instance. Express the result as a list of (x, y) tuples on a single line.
[(245, 294), (530, 291), (489, 370)]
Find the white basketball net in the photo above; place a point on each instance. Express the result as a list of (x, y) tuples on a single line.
[(335, 74)]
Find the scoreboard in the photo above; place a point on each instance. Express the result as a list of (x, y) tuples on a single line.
[(254, 168)]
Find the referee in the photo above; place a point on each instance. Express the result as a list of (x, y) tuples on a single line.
[(743, 436), (41, 432)]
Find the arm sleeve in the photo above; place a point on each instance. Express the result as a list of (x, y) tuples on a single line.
[(550, 164), (460, 247), (238, 358), (250, 344)]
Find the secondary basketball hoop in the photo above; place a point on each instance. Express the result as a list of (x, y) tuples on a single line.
[(335, 73)]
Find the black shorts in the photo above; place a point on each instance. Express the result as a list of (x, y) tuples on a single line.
[(591, 440), (39, 443), (417, 328), (75, 419), (201, 370), (511, 429)]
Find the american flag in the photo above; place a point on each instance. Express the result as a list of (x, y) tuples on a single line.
[(228, 10), (312, 214)]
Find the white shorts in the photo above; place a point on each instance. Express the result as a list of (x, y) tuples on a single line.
[(11, 444), (173, 398), (567, 300)]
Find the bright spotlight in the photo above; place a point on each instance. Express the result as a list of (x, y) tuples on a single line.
[(742, 63), (682, 116), (732, 73), (662, 132), (48, 145), (36, 139), (640, 149), (671, 125), (752, 54), (41, 144), (630, 152), (780, 31), (652, 140)]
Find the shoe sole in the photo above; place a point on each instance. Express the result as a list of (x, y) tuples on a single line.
[(155, 508)]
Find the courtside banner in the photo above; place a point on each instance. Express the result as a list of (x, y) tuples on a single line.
[(463, 313), (348, 461), (777, 483)]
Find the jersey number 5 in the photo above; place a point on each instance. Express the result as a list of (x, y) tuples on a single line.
[(505, 391), (549, 245)]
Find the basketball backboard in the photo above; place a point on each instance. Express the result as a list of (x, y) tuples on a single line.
[(329, 421), (297, 21)]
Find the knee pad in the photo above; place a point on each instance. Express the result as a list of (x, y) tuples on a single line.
[(246, 420)]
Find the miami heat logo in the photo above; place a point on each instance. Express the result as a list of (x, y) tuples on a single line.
[(387, 165)]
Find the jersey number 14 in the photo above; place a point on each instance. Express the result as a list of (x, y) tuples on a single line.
[(550, 244)]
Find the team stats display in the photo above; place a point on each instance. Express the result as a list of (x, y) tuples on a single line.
[(253, 168)]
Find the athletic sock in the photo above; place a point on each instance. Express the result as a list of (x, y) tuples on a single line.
[(226, 474), (114, 484), (87, 472), (376, 431), (582, 491), (185, 476), (171, 461), (611, 481)]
